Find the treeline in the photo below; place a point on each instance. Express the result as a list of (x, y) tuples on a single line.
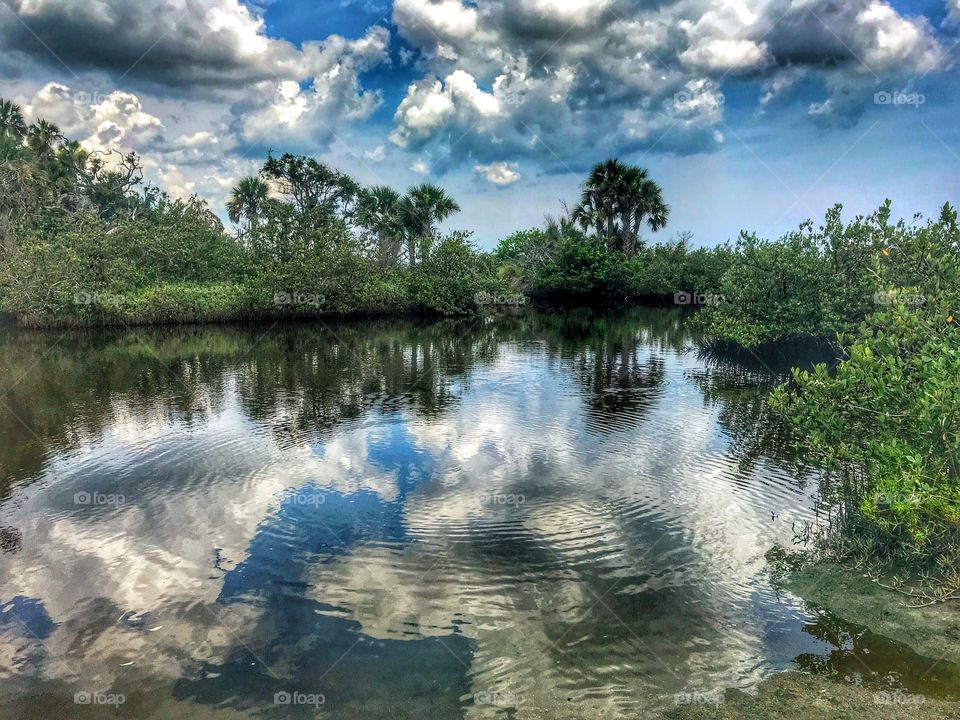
[(86, 241)]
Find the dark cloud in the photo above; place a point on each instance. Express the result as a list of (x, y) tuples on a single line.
[(181, 44)]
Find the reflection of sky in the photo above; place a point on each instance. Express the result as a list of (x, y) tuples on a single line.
[(378, 551)]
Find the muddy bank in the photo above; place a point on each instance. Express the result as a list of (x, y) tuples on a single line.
[(798, 696), (895, 661), (932, 631)]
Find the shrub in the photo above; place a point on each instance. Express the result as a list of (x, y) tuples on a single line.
[(886, 423)]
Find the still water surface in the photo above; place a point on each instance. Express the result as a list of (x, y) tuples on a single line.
[(539, 516)]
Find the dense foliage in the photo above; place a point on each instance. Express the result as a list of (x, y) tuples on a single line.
[(886, 422), (85, 241), (812, 283)]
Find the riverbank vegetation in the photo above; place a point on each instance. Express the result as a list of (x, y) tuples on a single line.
[(84, 240)]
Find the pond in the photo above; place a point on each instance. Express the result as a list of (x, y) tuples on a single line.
[(542, 515)]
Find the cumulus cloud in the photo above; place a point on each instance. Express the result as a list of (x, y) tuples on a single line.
[(118, 120), (501, 173), (180, 43), (570, 81), (287, 112), (953, 12)]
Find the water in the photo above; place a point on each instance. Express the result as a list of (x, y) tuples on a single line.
[(541, 516)]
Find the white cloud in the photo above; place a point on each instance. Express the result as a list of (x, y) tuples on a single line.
[(287, 112), (420, 166), (117, 121), (500, 173), (953, 12), (377, 154)]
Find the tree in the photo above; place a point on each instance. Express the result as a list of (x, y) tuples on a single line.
[(642, 200), (312, 186), (424, 207), (616, 200), (599, 201), (12, 123), (42, 138), (379, 212), (248, 200)]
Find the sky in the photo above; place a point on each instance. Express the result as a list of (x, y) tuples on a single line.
[(752, 115)]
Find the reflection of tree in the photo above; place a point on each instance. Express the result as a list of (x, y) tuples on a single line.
[(739, 388), (614, 360), (299, 379), (304, 380), (859, 655)]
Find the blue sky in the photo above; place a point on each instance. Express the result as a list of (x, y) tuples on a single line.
[(752, 114)]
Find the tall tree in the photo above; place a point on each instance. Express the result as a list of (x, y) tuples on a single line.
[(42, 138), (12, 123), (423, 209), (616, 200), (379, 212), (312, 186), (248, 200), (642, 201), (599, 201)]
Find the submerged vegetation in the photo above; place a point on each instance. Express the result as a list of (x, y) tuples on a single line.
[(85, 241)]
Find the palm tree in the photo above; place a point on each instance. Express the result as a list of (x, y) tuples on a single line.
[(378, 210), (12, 123), (42, 137), (642, 201), (616, 200), (600, 199), (423, 208), (248, 200)]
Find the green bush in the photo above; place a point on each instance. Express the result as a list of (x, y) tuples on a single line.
[(886, 422), (809, 284), (452, 278)]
